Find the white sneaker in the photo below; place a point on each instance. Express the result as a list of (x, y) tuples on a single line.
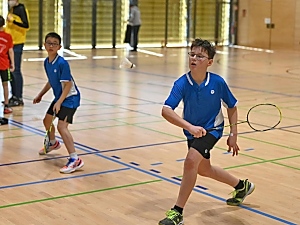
[(72, 165)]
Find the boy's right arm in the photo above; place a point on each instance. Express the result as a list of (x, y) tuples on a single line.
[(38, 98), (172, 117), (12, 59)]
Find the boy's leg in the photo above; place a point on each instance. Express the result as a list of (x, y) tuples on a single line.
[(54, 144), (190, 170), (7, 109), (189, 178), (198, 150), (207, 170), (243, 188), (5, 77), (65, 116), (63, 130)]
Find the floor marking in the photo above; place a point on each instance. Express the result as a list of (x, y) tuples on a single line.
[(150, 53), (105, 57)]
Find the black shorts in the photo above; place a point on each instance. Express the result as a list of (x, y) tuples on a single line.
[(5, 75), (63, 113), (203, 145)]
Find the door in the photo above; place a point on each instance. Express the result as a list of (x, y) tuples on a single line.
[(267, 24)]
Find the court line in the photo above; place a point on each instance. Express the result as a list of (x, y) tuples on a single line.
[(89, 149), (62, 178), (80, 146), (76, 194)]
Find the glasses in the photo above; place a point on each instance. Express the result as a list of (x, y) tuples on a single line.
[(52, 44), (198, 57)]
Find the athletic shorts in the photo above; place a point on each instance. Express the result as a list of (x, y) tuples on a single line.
[(64, 113), (5, 75), (203, 145)]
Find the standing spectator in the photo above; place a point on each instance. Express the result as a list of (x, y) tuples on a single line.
[(17, 26), (135, 21), (6, 65)]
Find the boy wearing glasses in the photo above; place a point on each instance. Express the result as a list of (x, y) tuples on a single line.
[(66, 100), (202, 94)]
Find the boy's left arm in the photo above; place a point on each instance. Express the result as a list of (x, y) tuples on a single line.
[(232, 139), (67, 85)]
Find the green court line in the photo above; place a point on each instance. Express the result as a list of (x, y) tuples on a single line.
[(266, 161), (77, 194)]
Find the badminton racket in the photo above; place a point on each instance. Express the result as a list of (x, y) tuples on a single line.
[(47, 136), (261, 117)]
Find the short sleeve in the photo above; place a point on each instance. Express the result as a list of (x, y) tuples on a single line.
[(65, 72), (175, 96), (228, 99)]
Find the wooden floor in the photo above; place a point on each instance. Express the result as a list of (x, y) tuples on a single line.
[(134, 158)]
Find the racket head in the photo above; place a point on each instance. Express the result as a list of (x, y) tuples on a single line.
[(47, 141), (47, 136), (264, 117)]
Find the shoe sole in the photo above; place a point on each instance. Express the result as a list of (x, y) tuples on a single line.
[(252, 188), (181, 223), (74, 169)]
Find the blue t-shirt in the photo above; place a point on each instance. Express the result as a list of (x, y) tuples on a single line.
[(202, 103), (58, 72)]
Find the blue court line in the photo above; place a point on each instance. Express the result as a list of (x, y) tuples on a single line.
[(62, 178), (134, 163), (89, 149), (39, 132), (180, 160), (156, 164), (155, 171)]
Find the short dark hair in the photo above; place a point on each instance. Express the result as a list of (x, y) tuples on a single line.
[(53, 35), (206, 45), (2, 21)]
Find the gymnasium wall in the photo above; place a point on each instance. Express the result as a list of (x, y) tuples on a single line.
[(269, 24)]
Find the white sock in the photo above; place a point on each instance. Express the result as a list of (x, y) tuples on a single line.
[(74, 155), (52, 142)]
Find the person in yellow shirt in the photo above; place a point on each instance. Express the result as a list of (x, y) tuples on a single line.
[(17, 26)]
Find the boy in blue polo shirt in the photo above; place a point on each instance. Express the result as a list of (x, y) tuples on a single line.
[(202, 94), (66, 101)]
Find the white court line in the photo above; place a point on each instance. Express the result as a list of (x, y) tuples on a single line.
[(105, 57), (252, 49), (75, 57), (150, 53), (73, 53)]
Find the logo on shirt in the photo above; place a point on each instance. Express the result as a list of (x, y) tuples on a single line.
[(55, 70), (212, 92), (205, 151)]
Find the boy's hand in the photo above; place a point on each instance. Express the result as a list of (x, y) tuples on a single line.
[(197, 131), (56, 107), (12, 68), (37, 99), (232, 145)]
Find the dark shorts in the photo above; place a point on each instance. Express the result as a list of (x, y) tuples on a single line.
[(5, 75), (64, 113), (203, 145)]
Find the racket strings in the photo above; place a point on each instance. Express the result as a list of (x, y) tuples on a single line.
[(264, 117)]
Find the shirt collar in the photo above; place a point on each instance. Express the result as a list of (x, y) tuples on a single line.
[(190, 79)]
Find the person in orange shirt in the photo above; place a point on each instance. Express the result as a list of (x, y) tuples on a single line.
[(7, 63)]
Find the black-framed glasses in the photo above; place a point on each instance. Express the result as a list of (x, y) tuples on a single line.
[(198, 57), (52, 44)]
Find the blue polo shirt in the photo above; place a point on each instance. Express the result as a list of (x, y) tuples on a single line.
[(58, 72), (202, 103)]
